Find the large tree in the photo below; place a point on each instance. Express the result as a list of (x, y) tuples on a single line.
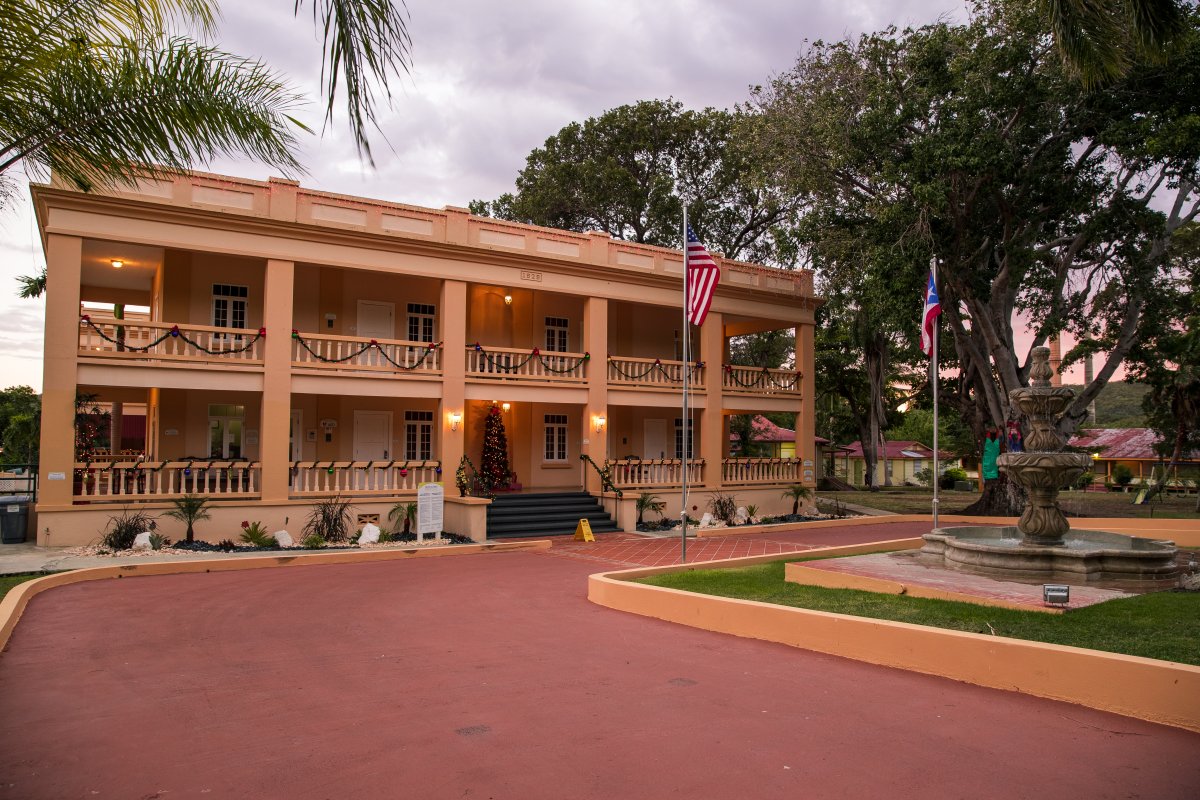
[(104, 91), (629, 171), (1046, 206)]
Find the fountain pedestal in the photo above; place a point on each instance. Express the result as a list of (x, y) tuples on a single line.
[(1042, 475)]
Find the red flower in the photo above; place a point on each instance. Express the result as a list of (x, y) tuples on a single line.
[(245, 524)]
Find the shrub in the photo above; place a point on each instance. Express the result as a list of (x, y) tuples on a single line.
[(124, 528), (1084, 480), (227, 545), (752, 511), (648, 501), (406, 512), (386, 536), (723, 507), (314, 541), (189, 509), (255, 534), (330, 520), (796, 494), (1122, 475), (951, 476), (158, 541)]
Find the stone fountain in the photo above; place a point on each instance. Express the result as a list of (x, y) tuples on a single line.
[(1042, 545)]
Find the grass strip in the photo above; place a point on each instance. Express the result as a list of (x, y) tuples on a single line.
[(7, 582), (1163, 625)]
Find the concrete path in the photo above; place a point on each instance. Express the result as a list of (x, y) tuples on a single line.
[(491, 676)]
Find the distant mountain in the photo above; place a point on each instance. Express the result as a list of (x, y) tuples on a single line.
[(1119, 405)]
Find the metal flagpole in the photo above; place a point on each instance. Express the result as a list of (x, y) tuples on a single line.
[(933, 379), (685, 332)]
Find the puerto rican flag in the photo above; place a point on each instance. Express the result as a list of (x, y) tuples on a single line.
[(703, 275), (933, 307)]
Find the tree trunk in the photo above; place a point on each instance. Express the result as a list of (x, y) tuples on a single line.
[(1000, 498)]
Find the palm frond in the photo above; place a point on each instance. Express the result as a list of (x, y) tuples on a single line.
[(32, 286), (364, 42)]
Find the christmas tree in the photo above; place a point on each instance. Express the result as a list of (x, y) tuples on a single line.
[(493, 466)]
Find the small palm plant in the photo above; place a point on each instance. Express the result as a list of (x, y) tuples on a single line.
[(796, 494), (190, 509), (648, 501), (406, 512)]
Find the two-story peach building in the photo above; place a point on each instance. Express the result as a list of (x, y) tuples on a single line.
[(284, 344)]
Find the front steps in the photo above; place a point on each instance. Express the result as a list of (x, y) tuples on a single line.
[(532, 515)]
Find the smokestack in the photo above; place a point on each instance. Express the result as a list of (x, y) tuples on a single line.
[(1087, 381), (1055, 361)]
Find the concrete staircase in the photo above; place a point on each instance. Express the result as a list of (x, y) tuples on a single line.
[(533, 515)]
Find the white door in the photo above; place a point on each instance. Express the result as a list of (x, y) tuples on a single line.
[(654, 445), (297, 435), (376, 320), (372, 435)]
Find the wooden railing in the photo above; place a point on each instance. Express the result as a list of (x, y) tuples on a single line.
[(361, 478), (653, 372), (366, 355), (657, 472), (745, 471), (759, 380), (107, 337), (121, 481), (506, 363)]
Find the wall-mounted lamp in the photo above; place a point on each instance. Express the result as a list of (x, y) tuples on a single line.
[(508, 299), (117, 263), (506, 407), (1095, 456), (598, 423), (455, 418)]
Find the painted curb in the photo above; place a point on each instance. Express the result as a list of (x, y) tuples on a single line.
[(1157, 691), (14, 603)]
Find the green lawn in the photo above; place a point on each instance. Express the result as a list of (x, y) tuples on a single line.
[(9, 581), (916, 500), (1163, 625)]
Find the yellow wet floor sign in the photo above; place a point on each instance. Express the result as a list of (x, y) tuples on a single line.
[(583, 531)]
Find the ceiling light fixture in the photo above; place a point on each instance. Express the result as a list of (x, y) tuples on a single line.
[(117, 263)]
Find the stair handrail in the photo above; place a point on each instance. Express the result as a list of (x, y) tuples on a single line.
[(605, 474), (467, 478)]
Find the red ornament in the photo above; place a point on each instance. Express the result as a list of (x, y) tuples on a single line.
[(403, 473), (374, 343), (536, 351), (262, 331), (86, 318)]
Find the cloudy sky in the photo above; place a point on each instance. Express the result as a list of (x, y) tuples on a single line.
[(491, 81)]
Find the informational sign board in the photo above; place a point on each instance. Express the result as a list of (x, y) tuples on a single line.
[(431, 499), (583, 531)]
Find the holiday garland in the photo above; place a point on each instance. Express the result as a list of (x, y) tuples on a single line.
[(465, 480), (173, 333), (764, 375), (605, 474), (535, 353), (429, 350), (656, 366)]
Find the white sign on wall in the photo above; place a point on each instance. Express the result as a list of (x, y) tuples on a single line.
[(430, 506)]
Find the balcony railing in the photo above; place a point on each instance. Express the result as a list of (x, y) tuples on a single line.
[(108, 337), (661, 472), (361, 478), (506, 363), (343, 353), (121, 481), (760, 380), (748, 471), (653, 373)]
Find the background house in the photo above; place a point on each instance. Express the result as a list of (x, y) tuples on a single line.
[(904, 458), (1133, 448)]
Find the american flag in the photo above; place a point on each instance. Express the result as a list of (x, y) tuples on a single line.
[(703, 275), (933, 307)]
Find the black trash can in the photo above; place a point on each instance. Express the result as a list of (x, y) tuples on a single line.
[(14, 516)]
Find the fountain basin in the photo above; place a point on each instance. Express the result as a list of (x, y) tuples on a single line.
[(1083, 555)]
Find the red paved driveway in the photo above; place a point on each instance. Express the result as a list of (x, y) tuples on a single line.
[(491, 676)]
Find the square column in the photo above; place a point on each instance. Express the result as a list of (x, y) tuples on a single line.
[(453, 322), (276, 413), (56, 475), (713, 438), (806, 417), (595, 341)]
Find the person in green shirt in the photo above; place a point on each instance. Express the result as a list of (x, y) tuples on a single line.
[(991, 452)]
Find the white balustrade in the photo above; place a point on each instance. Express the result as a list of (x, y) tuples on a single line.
[(508, 363), (360, 478), (107, 337), (653, 372), (758, 380), (369, 355), (119, 481), (744, 471), (665, 472)]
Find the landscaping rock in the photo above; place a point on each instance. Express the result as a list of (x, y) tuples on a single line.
[(142, 541), (370, 534), (742, 516), (283, 539), (707, 520)]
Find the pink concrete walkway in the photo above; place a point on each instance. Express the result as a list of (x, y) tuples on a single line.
[(491, 676)]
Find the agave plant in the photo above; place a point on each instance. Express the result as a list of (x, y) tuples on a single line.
[(797, 493), (190, 509)]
